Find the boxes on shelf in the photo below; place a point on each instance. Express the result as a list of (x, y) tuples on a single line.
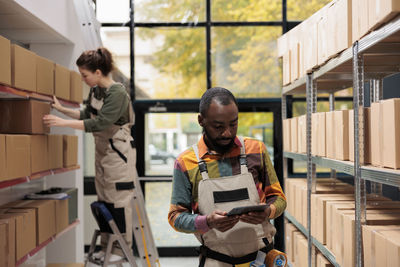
[(341, 122), (309, 43), (72, 204), (286, 135), (376, 121), (25, 229), (23, 116), (39, 153), (321, 261), (62, 82), (381, 245), (330, 135), (70, 148), (366, 127), (61, 214), (44, 76), (286, 68), (302, 251), (302, 134), (76, 87), (381, 11), (5, 62), (359, 12), (7, 242), (391, 133), (290, 229), (18, 156), (318, 133), (45, 214), (23, 68), (55, 151), (294, 132)]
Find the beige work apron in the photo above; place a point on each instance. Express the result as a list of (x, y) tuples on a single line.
[(115, 166), (243, 238)]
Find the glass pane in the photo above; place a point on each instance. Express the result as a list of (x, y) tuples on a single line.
[(169, 11), (300, 10), (112, 11), (116, 39), (244, 60), (251, 10), (170, 62), (158, 198), (169, 134)]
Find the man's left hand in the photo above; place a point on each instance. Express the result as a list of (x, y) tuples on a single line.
[(256, 217)]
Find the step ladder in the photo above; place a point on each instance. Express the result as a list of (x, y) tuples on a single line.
[(148, 254)]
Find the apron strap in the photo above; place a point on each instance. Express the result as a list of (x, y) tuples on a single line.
[(242, 159), (205, 252), (202, 164)]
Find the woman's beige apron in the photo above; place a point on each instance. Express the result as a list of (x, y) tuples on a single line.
[(115, 166), (225, 193)]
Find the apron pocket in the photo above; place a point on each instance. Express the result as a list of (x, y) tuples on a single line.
[(124, 186), (230, 196), (122, 156)]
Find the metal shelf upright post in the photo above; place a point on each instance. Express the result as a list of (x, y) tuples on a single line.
[(311, 92)]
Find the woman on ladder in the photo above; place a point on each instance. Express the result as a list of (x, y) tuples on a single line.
[(108, 114)]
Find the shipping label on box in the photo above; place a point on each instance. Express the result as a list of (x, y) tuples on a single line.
[(23, 116), (23, 68), (62, 82), (5, 62), (44, 76)]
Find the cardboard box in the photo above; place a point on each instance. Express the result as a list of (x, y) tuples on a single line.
[(339, 26), (294, 58), (330, 135), (61, 214), (55, 151), (310, 41), (376, 121), (3, 170), (289, 247), (302, 134), (70, 148), (25, 229), (321, 134), (381, 11), (62, 82), (39, 153), (302, 251), (18, 155), (323, 35), (72, 204), (23, 116), (380, 245), (23, 68), (45, 215), (44, 76), (360, 19), (294, 133), (322, 261), (341, 121), (286, 68), (286, 135), (7, 242), (391, 133), (5, 62), (76, 87)]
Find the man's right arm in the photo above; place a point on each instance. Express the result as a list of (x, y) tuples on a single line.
[(180, 215)]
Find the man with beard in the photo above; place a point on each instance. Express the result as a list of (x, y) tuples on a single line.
[(223, 171)]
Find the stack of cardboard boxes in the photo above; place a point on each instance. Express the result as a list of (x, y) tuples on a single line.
[(332, 29)]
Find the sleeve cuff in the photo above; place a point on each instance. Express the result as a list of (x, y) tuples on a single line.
[(200, 223)]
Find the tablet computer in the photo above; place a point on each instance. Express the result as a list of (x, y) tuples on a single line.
[(246, 209)]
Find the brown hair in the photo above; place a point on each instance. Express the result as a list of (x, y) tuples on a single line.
[(99, 59)]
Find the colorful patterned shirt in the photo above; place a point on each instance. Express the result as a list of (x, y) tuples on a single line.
[(184, 215)]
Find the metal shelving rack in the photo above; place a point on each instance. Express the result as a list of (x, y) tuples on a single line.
[(373, 58)]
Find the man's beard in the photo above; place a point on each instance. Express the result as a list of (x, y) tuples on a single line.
[(214, 142)]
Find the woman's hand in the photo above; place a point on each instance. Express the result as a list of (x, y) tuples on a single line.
[(51, 120), (56, 104), (218, 220)]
